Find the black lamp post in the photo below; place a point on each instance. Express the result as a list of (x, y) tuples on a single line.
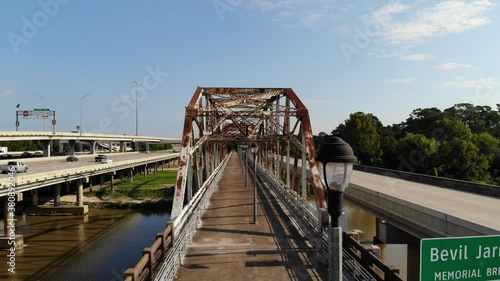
[(336, 160), (253, 149)]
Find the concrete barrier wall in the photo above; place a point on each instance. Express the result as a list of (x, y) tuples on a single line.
[(483, 189), (415, 219)]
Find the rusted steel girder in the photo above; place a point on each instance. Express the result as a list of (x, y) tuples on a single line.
[(231, 116)]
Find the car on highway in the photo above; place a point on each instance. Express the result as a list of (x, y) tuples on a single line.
[(26, 154), (14, 166), (99, 157), (106, 160), (38, 154), (6, 156), (72, 158)]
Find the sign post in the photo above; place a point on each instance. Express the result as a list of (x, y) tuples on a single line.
[(460, 258)]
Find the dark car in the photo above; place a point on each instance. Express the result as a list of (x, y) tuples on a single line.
[(99, 157), (5, 156), (26, 154), (72, 158)]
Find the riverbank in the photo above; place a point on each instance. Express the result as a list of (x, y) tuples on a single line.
[(144, 192), (123, 202)]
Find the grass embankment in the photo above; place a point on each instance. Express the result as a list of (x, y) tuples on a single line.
[(142, 192)]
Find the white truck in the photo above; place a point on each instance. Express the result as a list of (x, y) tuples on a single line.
[(4, 153), (14, 166)]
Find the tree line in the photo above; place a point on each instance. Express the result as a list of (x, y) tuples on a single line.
[(461, 142)]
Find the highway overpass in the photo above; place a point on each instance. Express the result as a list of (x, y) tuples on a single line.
[(74, 137)]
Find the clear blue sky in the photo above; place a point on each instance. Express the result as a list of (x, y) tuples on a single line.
[(381, 57)]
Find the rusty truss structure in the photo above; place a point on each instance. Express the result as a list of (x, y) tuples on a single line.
[(219, 120)]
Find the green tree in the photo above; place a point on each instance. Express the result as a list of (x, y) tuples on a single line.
[(459, 155), (423, 121), (419, 154), (389, 146), (360, 132), (479, 119)]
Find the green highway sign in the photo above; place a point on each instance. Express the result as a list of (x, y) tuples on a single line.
[(41, 109), (460, 258)]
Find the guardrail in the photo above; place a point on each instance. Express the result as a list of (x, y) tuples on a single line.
[(169, 249), (473, 187), (27, 182), (303, 213), (151, 257), (364, 255)]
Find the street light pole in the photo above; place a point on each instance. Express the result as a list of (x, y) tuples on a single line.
[(136, 109), (253, 149), (337, 159), (81, 110)]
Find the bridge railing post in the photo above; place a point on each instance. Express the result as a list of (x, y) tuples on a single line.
[(151, 258), (131, 274), (161, 236)]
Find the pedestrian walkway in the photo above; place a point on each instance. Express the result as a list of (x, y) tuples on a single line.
[(229, 246)]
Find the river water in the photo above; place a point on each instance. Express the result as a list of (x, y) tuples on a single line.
[(102, 244), (97, 246), (391, 254)]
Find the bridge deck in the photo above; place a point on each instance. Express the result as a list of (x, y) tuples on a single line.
[(229, 246)]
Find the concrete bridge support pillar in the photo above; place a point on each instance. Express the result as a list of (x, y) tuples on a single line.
[(61, 146), (90, 184), (121, 176), (147, 146), (72, 144), (79, 193), (390, 234), (92, 146), (110, 147), (10, 228), (112, 181), (101, 181), (80, 146), (8, 217), (34, 197), (46, 148), (57, 195), (131, 175), (123, 147)]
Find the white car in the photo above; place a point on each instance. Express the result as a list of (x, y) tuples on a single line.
[(106, 160)]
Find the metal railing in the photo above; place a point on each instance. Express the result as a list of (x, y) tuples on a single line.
[(171, 245), (304, 215)]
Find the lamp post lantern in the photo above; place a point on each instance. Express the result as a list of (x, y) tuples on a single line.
[(336, 160), (254, 148), (81, 110)]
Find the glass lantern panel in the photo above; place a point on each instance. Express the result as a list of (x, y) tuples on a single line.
[(338, 175)]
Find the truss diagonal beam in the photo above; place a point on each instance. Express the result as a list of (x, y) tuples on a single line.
[(218, 119)]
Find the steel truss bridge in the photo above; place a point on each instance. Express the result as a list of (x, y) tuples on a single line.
[(220, 122)]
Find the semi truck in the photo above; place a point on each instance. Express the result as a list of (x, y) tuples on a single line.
[(4, 153)]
